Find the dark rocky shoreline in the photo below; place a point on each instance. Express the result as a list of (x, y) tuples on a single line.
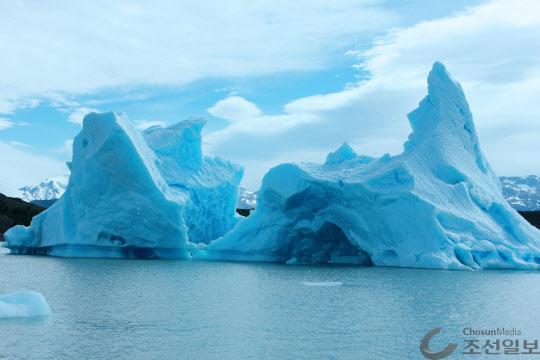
[(533, 217), (14, 211)]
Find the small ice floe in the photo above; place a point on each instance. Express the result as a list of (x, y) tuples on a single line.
[(322, 283), (3, 249), (23, 304)]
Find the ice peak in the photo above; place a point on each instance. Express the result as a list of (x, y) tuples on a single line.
[(443, 118), (343, 153), (441, 85), (180, 141), (444, 106), (438, 69)]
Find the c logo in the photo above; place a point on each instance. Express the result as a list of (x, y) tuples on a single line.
[(424, 347)]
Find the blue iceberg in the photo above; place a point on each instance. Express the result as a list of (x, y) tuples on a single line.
[(23, 304), (437, 205), (129, 197), (209, 185)]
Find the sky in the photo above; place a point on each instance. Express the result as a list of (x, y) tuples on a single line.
[(278, 81)]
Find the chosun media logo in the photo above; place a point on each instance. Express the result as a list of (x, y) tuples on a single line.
[(496, 341), (428, 354)]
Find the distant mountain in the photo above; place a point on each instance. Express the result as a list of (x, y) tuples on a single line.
[(523, 193), (14, 211), (49, 189), (247, 200)]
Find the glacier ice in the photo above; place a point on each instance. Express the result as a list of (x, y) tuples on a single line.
[(436, 205), (129, 197), (209, 185), (23, 304)]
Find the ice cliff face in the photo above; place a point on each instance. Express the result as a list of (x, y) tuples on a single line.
[(436, 205), (49, 189), (118, 203), (210, 185)]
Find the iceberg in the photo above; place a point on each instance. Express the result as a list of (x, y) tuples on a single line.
[(23, 304), (436, 205), (129, 198), (209, 185)]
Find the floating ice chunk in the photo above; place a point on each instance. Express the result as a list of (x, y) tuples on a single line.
[(116, 201), (323, 283), (436, 205), (23, 304), (135, 196)]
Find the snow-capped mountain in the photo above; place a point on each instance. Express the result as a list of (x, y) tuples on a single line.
[(49, 189), (523, 193), (246, 199)]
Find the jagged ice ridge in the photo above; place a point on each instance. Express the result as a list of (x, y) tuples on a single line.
[(437, 205), (137, 196)]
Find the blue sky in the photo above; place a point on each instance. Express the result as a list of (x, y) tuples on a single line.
[(277, 80)]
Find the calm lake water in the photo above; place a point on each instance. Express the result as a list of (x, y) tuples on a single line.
[(138, 309)]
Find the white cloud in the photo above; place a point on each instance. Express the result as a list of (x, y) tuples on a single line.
[(21, 167), (492, 49), (248, 121), (5, 124), (78, 115), (19, 144), (235, 108), (74, 48), (66, 150)]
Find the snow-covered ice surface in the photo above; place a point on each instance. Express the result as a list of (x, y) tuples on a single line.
[(23, 304), (118, 203), (49, 189), (437, 205), (523, 193)]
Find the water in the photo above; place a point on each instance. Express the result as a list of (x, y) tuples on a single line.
[(124, 309)]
